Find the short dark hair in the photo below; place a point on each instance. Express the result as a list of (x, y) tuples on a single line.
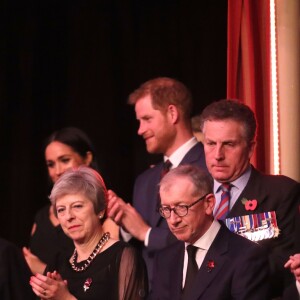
[(75, 138), (202, 181), (234, 110), (165, 91)]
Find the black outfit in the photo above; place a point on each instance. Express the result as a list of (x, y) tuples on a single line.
[(291, 292), (145, 201), (233, 268), (14, 273), (280, 194), (118, 268), (48, 240)]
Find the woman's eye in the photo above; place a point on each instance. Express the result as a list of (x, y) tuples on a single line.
[(78, 206), (65, 160)]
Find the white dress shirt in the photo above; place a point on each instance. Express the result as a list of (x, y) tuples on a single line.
[(203, 243)]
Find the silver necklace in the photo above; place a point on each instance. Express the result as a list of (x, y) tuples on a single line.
[(105, 237)]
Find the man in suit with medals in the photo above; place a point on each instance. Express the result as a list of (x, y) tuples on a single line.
[(209, 261), (163, 107), (257, 206)]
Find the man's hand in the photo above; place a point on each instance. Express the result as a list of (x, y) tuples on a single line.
[(34, 263), (294, 265), (126, 216), (115, 207)]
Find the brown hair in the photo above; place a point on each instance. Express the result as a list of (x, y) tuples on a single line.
[(233, 110), (165, 91)]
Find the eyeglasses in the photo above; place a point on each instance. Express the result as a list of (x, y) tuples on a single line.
[(179, 210)]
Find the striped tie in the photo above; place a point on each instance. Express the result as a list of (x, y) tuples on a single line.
[(223, 208)]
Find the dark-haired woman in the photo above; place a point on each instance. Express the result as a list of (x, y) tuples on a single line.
[(66, 148)]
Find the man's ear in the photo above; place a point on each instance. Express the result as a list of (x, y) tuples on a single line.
[(210, 202), (173, 113), (251, 146)]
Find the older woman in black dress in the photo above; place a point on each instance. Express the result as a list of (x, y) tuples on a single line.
[(100, 266), (66, 148)]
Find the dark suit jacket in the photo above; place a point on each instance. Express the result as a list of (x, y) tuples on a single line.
[(240, 272), (291, 292), (14, 274), (145, 200), (280, 194)]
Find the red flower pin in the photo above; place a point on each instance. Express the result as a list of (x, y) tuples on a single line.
[(87, 284), (249, 204), (210, 265)]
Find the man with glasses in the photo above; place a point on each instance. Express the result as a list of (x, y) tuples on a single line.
[(209, 261), (162, 107)]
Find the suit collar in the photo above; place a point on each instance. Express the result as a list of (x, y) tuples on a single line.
[(179, 153), (193, 155), (176, 271), (212, 263), (254, 187), (205, 241)]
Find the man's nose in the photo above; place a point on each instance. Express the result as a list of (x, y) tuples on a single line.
[(141, 129), (219, 152), (174, 218)]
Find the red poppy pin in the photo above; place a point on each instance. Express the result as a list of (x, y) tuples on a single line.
[(249, 204), (87, 284), (210, 265)]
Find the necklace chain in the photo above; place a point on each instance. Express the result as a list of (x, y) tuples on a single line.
[(105, 237)]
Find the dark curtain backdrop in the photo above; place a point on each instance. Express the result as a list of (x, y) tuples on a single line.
[(73, 63)]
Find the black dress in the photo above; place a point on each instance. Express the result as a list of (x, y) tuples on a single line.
[(14, 274), (48, 240), (118, 273)]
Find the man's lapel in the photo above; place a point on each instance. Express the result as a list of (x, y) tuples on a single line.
[(254, 190), (194, 155), (213, 263), (176, 273), (154, 205)]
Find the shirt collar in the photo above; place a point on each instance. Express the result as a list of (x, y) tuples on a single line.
[(239, 183), (177, 156), (205, 241)]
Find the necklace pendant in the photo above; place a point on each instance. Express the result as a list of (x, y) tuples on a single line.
[(87, 284)]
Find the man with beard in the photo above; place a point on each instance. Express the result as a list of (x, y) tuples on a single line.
[(163, 107)]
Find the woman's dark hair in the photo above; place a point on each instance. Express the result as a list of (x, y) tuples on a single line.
[(77, 140)]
